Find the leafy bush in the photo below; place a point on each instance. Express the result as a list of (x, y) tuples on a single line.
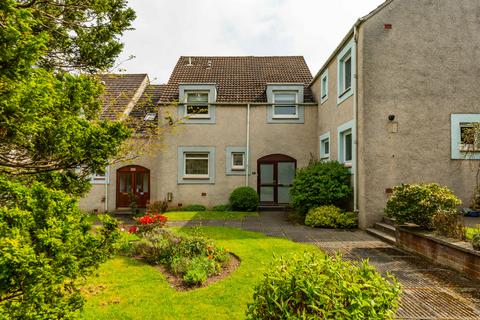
[(319, 184), (193, 258), (158, 206), (221, 208), (125, 243), (314, 287), (448, 224), (331, 217), (476, 241), (195, 207), (244, 199), (417, 203), (46, 245)]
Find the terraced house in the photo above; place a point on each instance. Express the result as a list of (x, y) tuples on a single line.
[(391, 103)]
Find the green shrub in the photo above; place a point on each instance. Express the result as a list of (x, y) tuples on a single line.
[(195, 207), (331, 217), (476, 241), (319, 184), (125, 243), (314, 287), (221, 208), (244, 199), (417, 203), (448, 224), (193, 258)]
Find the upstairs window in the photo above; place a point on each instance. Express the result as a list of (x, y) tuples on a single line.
[(196, 165), (197, 105), (238, 161), (324, 87), (285, 105), (345, 75)]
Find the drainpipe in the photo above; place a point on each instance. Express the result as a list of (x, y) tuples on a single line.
[(247, 154), (355, 120)]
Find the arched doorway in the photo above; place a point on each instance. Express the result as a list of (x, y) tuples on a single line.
[(275, 178), (133, 184)]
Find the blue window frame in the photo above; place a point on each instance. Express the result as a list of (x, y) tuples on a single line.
[(325, 146), (346, 147), (465, 140), (196, 165), (324, 87)]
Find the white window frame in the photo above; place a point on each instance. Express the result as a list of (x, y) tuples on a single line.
[(101, 178), (285, 116), (195, 176), (237, 167), (324, 89), (194, 115)]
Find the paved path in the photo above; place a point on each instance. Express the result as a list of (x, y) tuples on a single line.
[(429, 291)]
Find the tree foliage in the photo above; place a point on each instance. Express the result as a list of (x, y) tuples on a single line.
[(45, 247), (50, 51)]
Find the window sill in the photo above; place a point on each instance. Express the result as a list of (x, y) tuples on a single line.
[(325, 157), (238, 169), (345, 92), (285, 118), (323, 100), (196, 177), (347, 164), (468, 148), (206, 117)]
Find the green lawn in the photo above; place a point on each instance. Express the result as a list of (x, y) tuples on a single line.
[(207, 215), (125, 288)]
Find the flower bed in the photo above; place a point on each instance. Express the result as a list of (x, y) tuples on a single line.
[(191, 259)]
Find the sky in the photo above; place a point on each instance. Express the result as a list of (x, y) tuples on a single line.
[(168, 29)]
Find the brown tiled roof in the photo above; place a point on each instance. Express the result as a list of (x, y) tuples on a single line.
[(148, 101), (239, 79), (120, 89)]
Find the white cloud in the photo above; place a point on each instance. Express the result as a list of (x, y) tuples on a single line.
[(166, 30)]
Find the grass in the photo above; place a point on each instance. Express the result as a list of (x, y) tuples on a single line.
[(125, 288), (207, 215)]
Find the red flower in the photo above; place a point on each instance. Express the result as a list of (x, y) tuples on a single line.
[(133, 229)]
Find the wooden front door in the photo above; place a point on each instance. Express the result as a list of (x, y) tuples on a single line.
[(275, 178), (133, 184)]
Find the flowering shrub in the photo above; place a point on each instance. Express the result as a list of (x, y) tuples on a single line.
[(149, 222)]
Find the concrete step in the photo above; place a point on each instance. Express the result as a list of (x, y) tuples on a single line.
[(388, 220), (385, 228), (381, 235), (272, 208)]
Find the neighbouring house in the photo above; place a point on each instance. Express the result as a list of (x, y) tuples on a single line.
[(396, 95), (392, 103), (244, 121)]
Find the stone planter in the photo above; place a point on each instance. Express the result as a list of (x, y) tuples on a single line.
[(457, 255)]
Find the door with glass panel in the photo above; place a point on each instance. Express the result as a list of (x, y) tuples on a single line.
[(275, 178), (133, 184)]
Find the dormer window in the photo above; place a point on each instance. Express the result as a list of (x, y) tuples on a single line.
[(285, 105), (197, 105), (150, 116)]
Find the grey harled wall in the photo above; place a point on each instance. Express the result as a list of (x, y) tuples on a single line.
[(424, 69)]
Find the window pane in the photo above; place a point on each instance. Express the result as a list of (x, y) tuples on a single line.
[(348, 147), (266, 173), (145, 181), (326, 147), (197, 109), (196, 166), (197, 97), (266, 194), (467, 135), (324, 87), (285, 98), (286, 173), (196, 155), (285, 110), (125, 183), (237, 159), (348, 73)]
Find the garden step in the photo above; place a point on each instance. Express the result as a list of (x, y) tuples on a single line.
[(388, 220), (272, 208), (386, 228), (381, 235)]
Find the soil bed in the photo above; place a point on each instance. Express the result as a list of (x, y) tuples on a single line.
[(177, 283)]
